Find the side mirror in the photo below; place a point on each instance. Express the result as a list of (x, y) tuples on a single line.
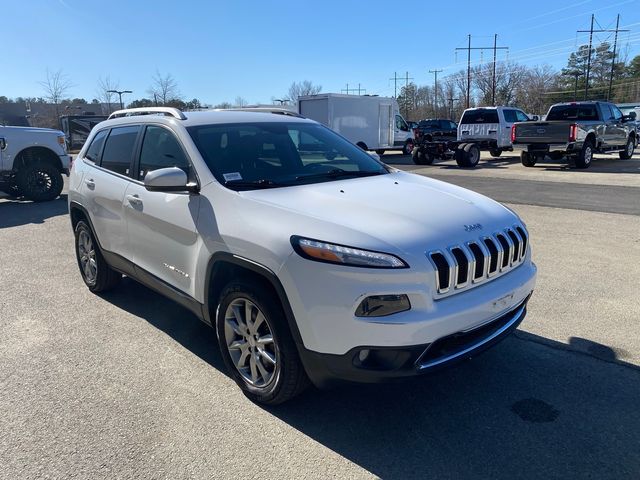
[(3, 144), (171, 179), (632, 115), (535, 118)]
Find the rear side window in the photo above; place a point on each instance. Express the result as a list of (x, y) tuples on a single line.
[(480, 116), (573, 112), (522, 117), (160, 149), (510, 116), (118, 149), (94, 150)]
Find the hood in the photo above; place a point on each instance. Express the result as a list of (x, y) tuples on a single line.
[(33, 130), (403, 211)]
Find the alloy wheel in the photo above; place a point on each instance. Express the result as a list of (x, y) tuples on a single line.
[(249, 340), (87, 257)]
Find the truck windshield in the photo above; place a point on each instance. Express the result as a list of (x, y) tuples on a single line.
[(480, 116), (573, 112), (267, 155)]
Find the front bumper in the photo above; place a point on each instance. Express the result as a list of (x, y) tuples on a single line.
[(375, 364)]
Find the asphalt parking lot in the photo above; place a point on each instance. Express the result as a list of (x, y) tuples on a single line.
[(130, 385)]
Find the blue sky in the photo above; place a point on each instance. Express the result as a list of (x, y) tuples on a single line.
[(219, 50)]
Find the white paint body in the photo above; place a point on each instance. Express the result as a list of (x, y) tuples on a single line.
[(499, 132), (17, 139), (398, 213)]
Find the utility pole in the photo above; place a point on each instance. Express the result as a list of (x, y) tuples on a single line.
[(451, 100), (435, 101), (120, 92), (395, 84), (359, 89), (468, 49), (493, 85), (363, 89), (591, 32)]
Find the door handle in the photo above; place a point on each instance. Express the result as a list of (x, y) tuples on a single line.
[(134, 200), (90, 183)]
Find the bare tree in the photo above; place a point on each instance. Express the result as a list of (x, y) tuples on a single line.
[(240, 102), (299, 89), (164, 88), (56, 88), (104, 85)]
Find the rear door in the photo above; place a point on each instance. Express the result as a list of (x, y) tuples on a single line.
[(104, 184), (162, 225)]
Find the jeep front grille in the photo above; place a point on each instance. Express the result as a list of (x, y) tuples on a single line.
[(476, 261)]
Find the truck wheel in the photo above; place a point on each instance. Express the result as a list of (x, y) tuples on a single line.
[(422, 158), (495, 152), (627, 153), (583, 160), (362, 145), (256, 344), (40, 181), (408, 147), (459, 155), (471, 155), (380, 151), (527, 159), (556, 155), (95, 271)]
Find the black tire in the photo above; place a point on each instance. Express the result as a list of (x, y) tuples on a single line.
[(584, 157), (362, 145), (39, 181), (380, 151), (408, 147), (288, 376), (527, 159), (421, 157), (627, 153), (495, 152), (105, 277), (468, 155)]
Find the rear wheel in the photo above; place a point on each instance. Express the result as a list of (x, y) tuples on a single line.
[(495, 152), (421, 157), (256, 344), (95, 271), (467, 155), (627, 153), (527, 159), (583, 160), (408, 147), (380, 151), (39, 181)]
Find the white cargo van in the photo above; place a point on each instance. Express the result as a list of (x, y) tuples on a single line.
[(371, 122)]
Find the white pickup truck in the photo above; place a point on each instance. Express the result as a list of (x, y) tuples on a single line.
[(32, 161)]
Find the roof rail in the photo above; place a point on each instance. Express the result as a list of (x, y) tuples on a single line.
[(128, 112), (275, 111)]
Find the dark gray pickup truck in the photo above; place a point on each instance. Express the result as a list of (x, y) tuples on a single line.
[(576, 130)]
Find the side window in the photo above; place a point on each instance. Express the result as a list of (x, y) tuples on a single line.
[(94, 150), (509, 116), (160, 149), (617, 114), (521, 116), (453, 125), (606, 111), (401, 124), (118, 149)]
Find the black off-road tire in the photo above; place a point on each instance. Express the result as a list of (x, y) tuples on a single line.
[(289, 378), (585, 155), (494, 152), (627, 153), (106, 278), (408, 147), (421, 157), (40, 181), (527, 159), (467, 155)]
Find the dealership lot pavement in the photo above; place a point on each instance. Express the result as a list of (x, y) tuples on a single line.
[(130, 385)]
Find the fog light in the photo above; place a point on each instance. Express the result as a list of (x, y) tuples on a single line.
[(362, 356), (383, 305)]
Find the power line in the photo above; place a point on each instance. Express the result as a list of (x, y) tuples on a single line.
[(359, 90)]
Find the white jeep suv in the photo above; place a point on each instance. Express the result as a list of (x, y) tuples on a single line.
[(311, 259)]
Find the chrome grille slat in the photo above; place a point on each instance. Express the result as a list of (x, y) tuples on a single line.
[(504, 250)]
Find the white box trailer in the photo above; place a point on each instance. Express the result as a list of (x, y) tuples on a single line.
[(371, 122)]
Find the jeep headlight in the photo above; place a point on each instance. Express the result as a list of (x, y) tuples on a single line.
[(343, 255)]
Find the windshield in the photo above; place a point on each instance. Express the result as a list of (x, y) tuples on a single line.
[(429, 124), (266, 155), (573, 112)]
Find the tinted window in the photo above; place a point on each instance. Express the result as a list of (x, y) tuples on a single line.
[(280, 154), (429, 124), (606, 111), (119, 149), (617, 114), (510, 116), (521, 116), (453, 125), (480, 116), (160, 149), (573, 112), (93, 152), (400, 123)]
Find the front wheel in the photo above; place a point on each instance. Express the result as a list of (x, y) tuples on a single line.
[(527, 159), (583, 160), (40, 181), (408, 147), (627, 153), (256, 344)]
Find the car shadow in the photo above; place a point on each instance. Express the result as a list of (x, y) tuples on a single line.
[(530, 408), (14, 213)]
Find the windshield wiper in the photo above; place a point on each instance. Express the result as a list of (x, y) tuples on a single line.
[(339, 173), (261, 183)]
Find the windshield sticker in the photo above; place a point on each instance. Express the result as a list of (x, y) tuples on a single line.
[(232, 176)]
